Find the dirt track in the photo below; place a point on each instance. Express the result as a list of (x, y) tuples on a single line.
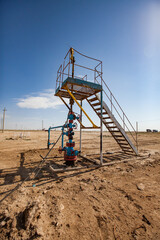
[(116, 202)]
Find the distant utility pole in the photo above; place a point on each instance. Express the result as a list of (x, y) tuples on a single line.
[(4, 110), (42, 124)]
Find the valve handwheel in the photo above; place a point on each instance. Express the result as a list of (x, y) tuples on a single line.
[(76, 125)]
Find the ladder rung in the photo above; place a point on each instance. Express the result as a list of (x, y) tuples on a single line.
[(125, 144), (113, 127), (96, 104), (92, 99)]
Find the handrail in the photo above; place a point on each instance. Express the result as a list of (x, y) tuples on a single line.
[(87, 56), (69, 75), (118, 104), (124, 115), (123, 120)]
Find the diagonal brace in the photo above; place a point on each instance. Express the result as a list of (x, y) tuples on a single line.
[(69, 109), (71, 94)]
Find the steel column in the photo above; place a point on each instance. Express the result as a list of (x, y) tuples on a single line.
[(62, 137), (80, 144), (101, 131), (48, 137)]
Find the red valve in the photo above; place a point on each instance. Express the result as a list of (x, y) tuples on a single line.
[(70, 144)]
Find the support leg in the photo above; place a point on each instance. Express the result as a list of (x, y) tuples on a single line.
[(62, 138), (48, 138), (80, 145), (101, 130)]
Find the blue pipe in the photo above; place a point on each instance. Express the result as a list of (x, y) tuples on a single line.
[(49, 134)]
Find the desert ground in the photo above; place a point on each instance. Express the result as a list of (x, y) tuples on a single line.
[(119, 201)]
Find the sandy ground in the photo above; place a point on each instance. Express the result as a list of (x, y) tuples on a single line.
[(120, 201)]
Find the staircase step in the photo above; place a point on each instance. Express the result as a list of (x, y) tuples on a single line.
[(99, 112), (109, 122), (120, 136), (117, 136), (96, 104), (112, 127), (104, 113), (124, 144), (106, 118), (125, 148), (92, 99), (97, 109), (116, 131), (120, 140), (112, 132), (128, 151)]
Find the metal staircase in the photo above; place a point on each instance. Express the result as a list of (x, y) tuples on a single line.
[(109, 110), (112, 125)]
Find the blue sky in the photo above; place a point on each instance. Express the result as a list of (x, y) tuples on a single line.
[(35, 36)]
